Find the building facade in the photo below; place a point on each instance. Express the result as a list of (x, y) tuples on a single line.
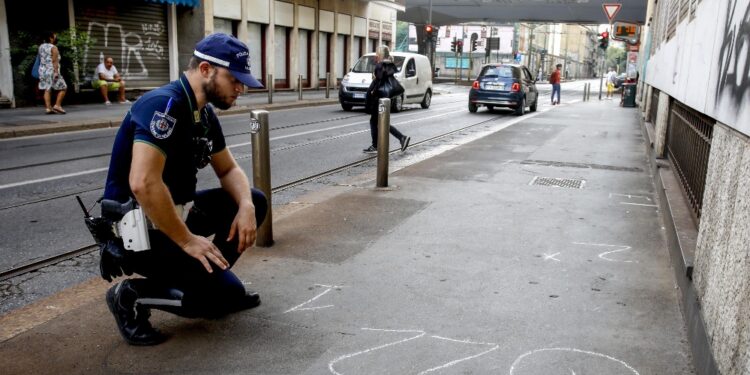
[(151, 41), (695, 98)]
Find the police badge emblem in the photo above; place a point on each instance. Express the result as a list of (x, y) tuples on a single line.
[(162, 125)]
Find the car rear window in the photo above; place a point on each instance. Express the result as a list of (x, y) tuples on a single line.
[(366, 64), (497, 71)]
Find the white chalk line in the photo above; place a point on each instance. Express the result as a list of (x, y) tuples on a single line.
[(346, 356), (604, 254), (451, 363), (420, 334), (519, 359), (299, 307), (639, 204), (551, 256), (630, 196)]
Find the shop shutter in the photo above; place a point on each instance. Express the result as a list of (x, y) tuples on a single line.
[(134, 34)]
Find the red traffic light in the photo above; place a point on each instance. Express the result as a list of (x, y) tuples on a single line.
[(428, 29), (605, 34)]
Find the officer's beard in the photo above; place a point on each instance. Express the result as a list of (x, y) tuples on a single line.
[(213, 96)]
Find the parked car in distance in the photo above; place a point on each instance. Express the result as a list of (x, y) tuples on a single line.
[(413, 72), (504, 85)]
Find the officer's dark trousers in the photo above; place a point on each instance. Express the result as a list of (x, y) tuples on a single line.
[(166, 266)]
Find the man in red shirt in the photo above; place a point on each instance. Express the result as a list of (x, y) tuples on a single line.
[(554, 79)]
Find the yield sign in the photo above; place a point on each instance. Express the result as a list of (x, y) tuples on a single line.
[(611, 10)]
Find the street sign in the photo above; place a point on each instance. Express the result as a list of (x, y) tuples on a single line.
[(610, 10)]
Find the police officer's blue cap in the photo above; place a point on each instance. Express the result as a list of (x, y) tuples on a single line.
[(228, 52)]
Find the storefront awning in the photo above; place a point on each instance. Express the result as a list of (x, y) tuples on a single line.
[(187, 3)]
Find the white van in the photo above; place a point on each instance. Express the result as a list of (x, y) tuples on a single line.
[(413, 72)]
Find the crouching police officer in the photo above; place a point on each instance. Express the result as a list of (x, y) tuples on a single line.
[(166, 137)]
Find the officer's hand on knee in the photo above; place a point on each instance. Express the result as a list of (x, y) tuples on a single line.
[(201, 248)]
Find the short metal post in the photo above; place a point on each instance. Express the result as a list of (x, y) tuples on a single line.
[(586, 92), (299, 87), (269, 83), (384, 125), (259, 128), (328, 84)]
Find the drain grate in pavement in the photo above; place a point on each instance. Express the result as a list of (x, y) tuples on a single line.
[(558, 182)]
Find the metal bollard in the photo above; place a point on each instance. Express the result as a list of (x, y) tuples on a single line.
[(262, 171), (328, 84), (384, 125), (269, 83), (299, 87), (586, 92)]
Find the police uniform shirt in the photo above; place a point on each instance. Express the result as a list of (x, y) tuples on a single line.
[(169, 120)]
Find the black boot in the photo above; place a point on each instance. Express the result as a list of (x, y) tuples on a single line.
[(132, 317)]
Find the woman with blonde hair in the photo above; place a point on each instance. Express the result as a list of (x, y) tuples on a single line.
[(383, 74)]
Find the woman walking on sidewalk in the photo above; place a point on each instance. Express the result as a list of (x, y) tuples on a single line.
[(382, 76), (49, 74)]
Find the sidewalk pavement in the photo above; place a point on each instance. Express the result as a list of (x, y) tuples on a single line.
[(17, 122), (470, 262)]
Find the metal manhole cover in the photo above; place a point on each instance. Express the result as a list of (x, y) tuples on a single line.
[(558, 182)]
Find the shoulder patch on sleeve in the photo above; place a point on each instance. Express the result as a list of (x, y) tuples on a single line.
[(162, 125)]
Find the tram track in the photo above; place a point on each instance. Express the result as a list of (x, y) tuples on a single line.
[(55, 259)]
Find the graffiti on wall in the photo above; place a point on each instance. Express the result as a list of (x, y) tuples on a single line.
[(134, 46), (733, 62)]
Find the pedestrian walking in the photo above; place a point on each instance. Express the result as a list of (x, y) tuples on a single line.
[(611, 76), (108, 79), (383, 86), (49, 74), (554, 79), (167, 136)]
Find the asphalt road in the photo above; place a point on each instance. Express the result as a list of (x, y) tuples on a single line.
[(41, 175)]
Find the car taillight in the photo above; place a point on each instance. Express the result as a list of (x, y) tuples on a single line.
[(515, 87), (475, 85)]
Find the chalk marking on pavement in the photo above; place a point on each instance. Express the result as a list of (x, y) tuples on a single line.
[(551, 256), (604, 254), (420, 333), (630, 196), (639, 204), (300, 308), (451, 363), (574, 350)]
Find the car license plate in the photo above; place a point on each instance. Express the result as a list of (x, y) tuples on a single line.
[(359, 95), (495, 86)]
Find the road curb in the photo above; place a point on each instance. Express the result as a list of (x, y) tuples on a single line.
[(63, 127)]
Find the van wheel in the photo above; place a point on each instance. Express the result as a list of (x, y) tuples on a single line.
[(346, 107), (397, 104), (521, 108), (427, 99), (472, 107)]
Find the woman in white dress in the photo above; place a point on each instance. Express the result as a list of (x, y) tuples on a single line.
[(49, 74)]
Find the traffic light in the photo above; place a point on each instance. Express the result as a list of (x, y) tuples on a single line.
[(604, 40), (428, 29), (473, 45), (460, 46), (453, 45)]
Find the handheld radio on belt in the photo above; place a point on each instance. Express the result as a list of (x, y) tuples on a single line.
[(113, 257)]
